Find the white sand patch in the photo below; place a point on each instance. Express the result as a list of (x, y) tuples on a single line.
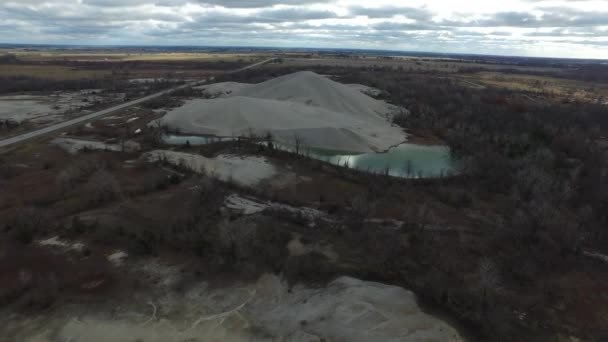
[(56, 242), (22, 110), (302, 106), (250, 206), (223, 89), (597, 256), (160, 274), (244, 205), (48, 108), (346, 310), (117, 258), (111, 117), (152, 80), (245, 170), (73, 146), (370, 91)]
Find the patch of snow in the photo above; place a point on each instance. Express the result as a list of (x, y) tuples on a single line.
[(117, 258), (249, 206), (245, 170), (152, 80), (244, 205), (44, 108), (55, 241), (132, 119), (370, 91), (223, 89), (74, 146), (111, 117), (597, 256)]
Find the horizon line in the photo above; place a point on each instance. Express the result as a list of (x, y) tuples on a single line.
[(469, 54)]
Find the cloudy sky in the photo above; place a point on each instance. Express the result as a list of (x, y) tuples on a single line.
[(560, 28)]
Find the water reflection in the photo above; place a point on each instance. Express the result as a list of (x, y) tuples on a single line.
[(405, 160)]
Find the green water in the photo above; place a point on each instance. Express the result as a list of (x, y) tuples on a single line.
[(194, 140), (405, 160)]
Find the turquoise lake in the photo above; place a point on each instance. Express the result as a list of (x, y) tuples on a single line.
[(405, 160)]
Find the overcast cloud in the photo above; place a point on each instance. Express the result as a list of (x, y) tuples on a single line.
[(564, 28)]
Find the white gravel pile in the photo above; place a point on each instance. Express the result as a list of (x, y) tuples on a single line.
[(347, 309), (223, 88), (245, 170), (309, 108), (250, 206), (73, 146)]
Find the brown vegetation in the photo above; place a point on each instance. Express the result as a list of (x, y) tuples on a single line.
[(499, 248)]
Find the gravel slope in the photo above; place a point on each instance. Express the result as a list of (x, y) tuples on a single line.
[(304, 106)]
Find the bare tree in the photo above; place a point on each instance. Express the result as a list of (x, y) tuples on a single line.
[(361, 208), (103, 186), (238, 238), (26, 223), (409, 168), (157, 133), (297, 141), (66, 179), (489, 278)]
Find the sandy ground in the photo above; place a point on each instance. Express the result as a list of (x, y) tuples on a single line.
[(370, 91), (48, 108), (223, 88), (303, 107), (245, 170), (74, 146), (249, 206), (347, 309)]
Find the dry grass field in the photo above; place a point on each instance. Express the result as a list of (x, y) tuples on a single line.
[(559, 87), (54, 72), (85, 56), (407, 63)]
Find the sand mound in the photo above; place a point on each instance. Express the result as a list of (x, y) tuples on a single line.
[(373, 92), (347, 309), (318, 111), (315, 90), (245, 170), (223, 89)]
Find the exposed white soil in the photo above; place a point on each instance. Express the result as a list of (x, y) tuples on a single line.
[(303, 107), (111, 117), (45, 108), (56, 242), (223, 88), (152, 80), (250, 206), (117, 258), (347, 309), (74, 146), (597, 256), (244, 205), (245, 170), (370, 91)]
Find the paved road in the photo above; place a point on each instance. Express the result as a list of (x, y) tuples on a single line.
[(253, 65), (85, 118)]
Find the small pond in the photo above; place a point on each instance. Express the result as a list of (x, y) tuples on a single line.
[(405, 160)]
